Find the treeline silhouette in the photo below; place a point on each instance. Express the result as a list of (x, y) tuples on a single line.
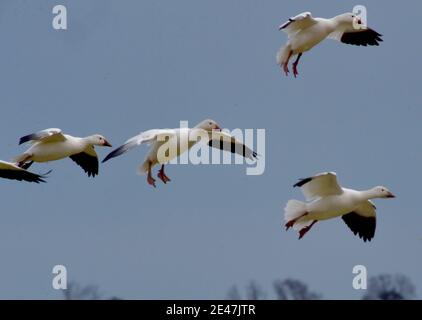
[(75, 291), (381, 287)]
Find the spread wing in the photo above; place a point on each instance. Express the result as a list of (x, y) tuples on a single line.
[(362, 221), (87, 160), (149, 136), (323, 184), (47, 135), (11, 171), (224, 141), (357, 37), (295, 24)]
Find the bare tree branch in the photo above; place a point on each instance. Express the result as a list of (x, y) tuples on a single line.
[(234, 294), (390, 287), (75, 292), (291, 289), (254, 292)]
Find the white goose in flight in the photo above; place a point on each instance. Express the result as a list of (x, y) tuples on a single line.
[(11, 171), (327, 200), (52, 144), (180, 140), (304, 32)]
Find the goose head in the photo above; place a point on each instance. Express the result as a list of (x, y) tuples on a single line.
[(382, 192), (209, 125), (98, 140), (348, 19)]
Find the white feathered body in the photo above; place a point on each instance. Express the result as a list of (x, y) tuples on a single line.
[(179, 142), (49, 151), (323, 208), (308, 38), (334, 206), (305, 39)]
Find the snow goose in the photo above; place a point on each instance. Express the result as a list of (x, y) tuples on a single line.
[(11, 171), (304, 32), (181, 140), (327, 200), (52, 144)]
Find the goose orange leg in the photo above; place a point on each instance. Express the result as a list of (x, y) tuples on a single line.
[(150, 179), (295, 73), (305, 230), (161, 174), (22, 163), (286, 64), (290, 223)]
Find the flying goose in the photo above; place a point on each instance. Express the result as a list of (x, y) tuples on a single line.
[(52, 144), (180, 140), (304, 32), (327, 200)]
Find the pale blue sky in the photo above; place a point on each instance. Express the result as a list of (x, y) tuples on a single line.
[(126, 66)]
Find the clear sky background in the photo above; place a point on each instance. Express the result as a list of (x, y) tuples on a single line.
[(127, 66)]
